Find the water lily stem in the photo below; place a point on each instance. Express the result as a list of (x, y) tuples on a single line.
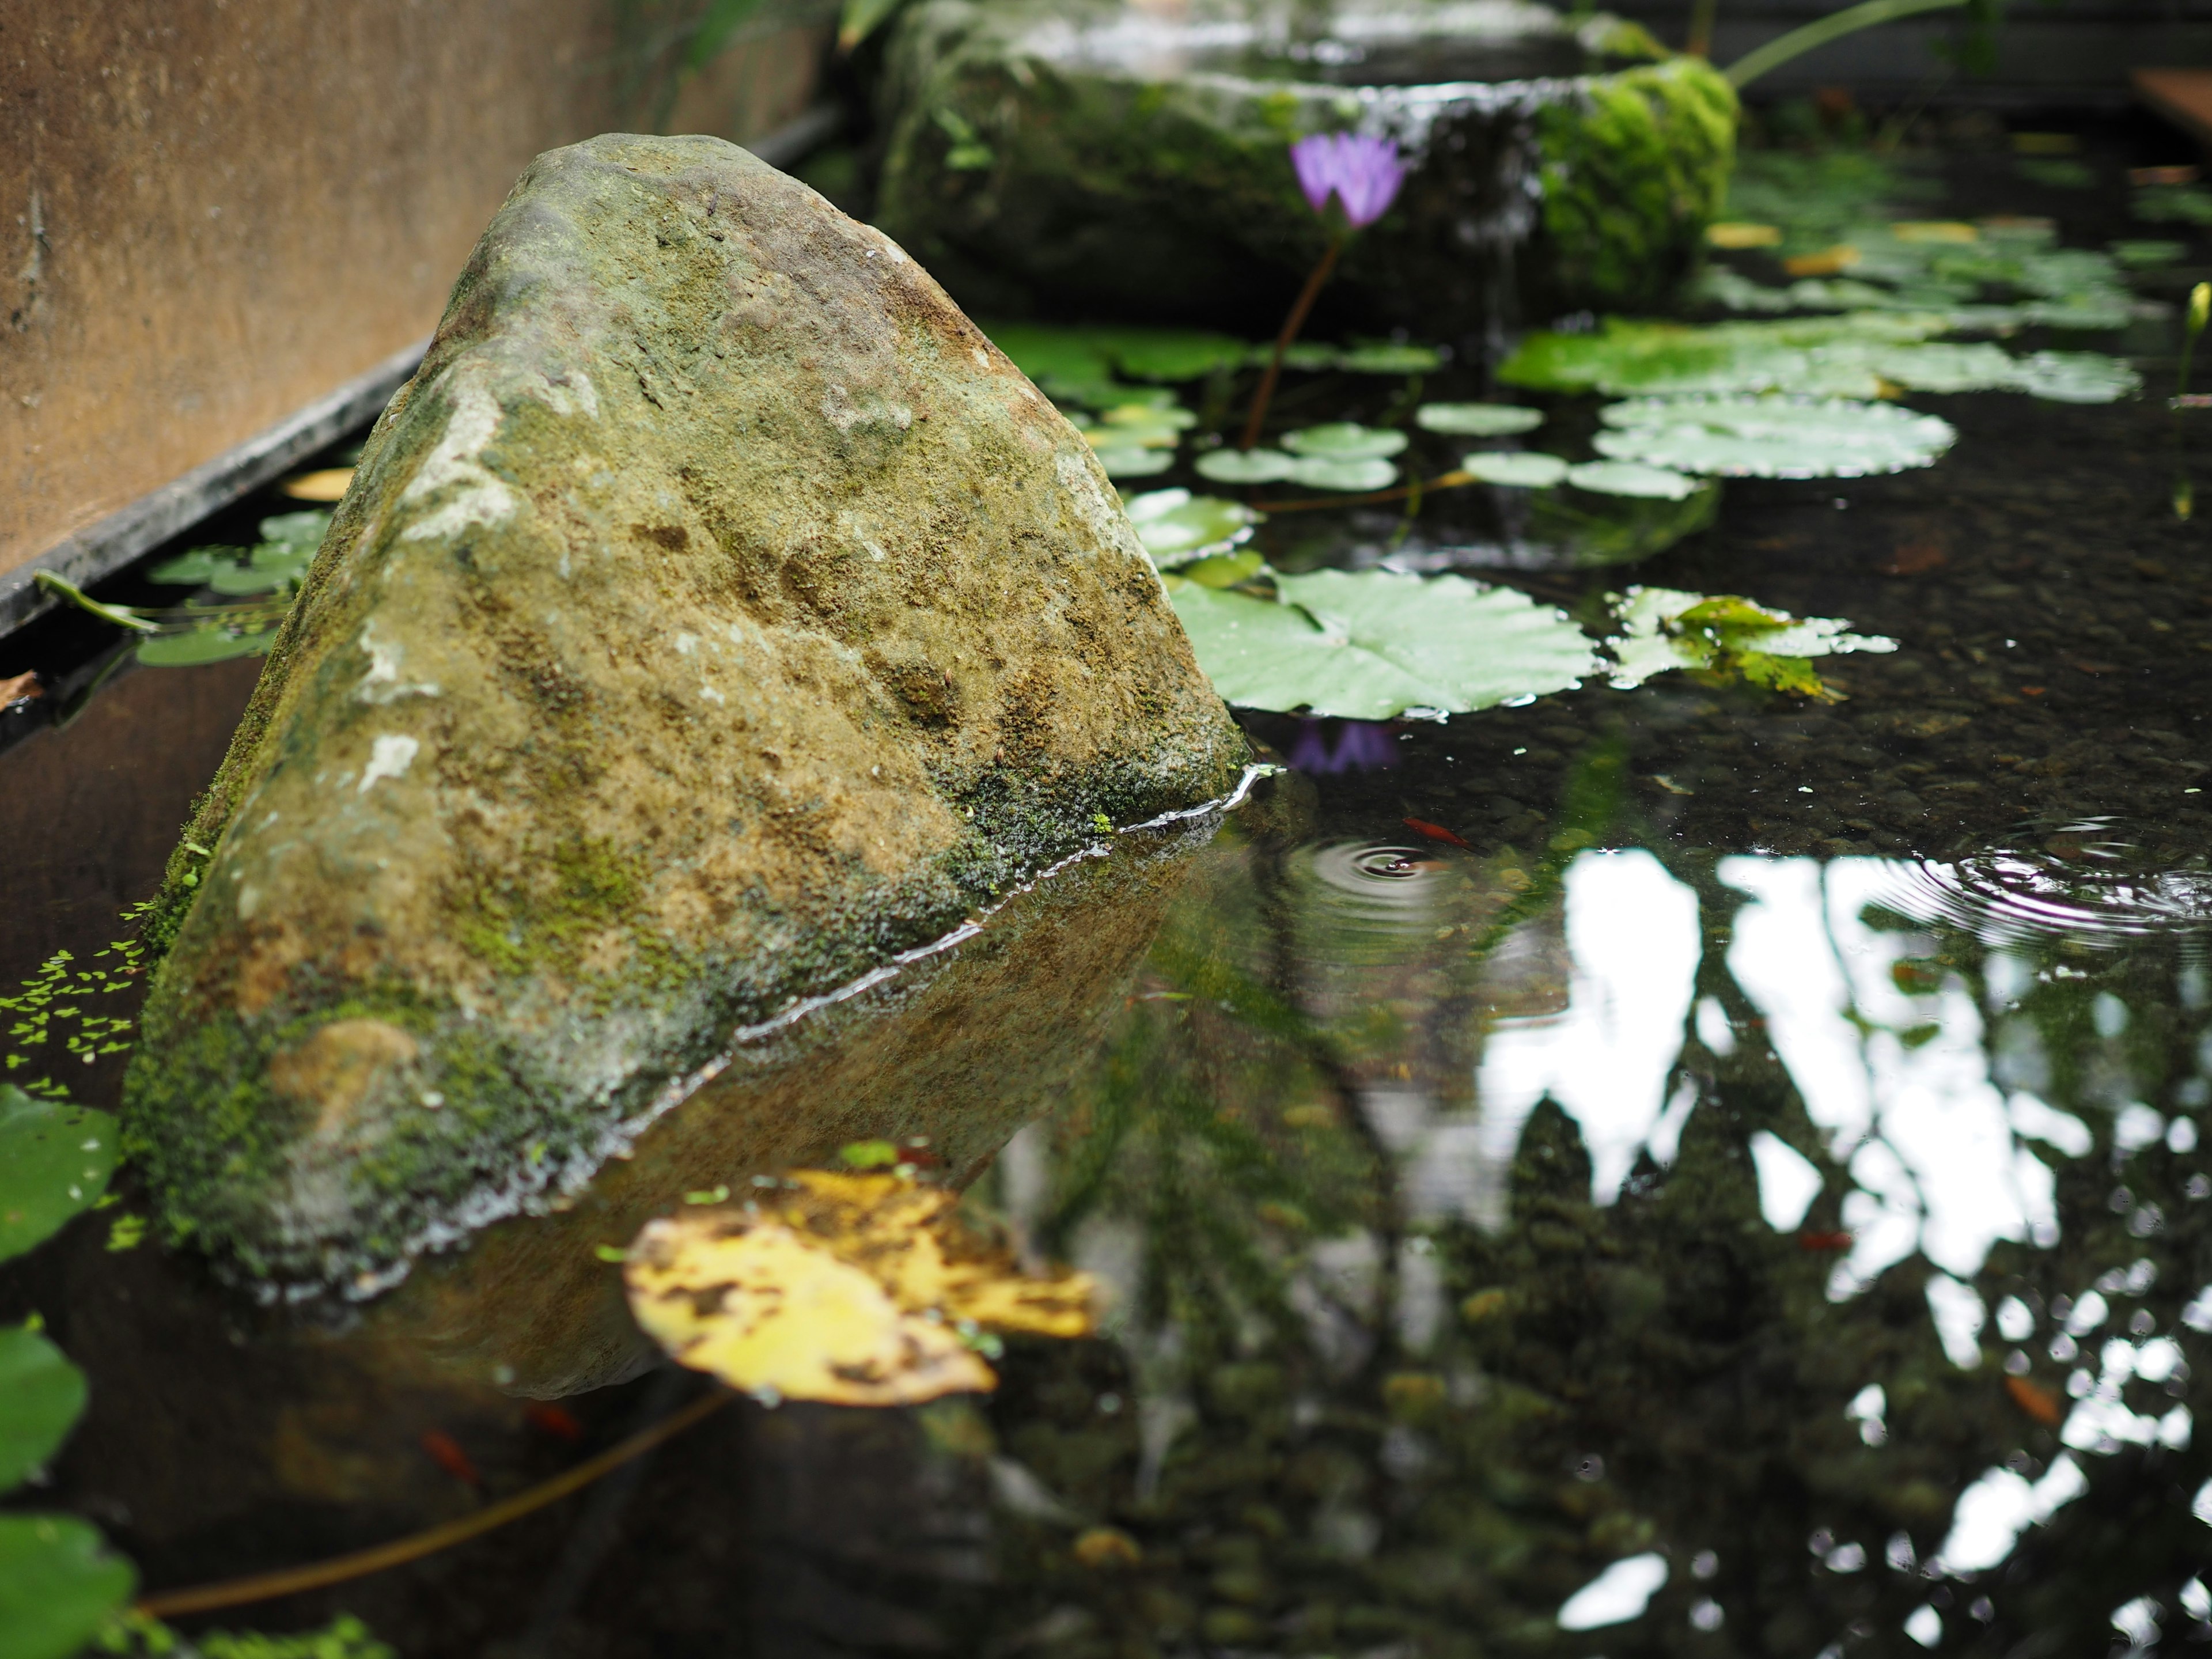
[(121, 615), (1291, 324), (291, 1581)]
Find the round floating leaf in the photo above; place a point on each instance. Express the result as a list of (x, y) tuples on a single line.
[(1223, 569), (1245, 466), (55, 1159), (40, 1395), (57, 1583), (1370, 645), (211, 643), (1525, 469), (299, 531), (1310, 355), (1150, 415), (2078, 377), (1392, 360), (1171, 354), (1177, 526), (2147, 253), (257, 577), (195, 568), (1661, 629), (1478, 420), (1655, 483), (1040, 351), (1347, 472), (1772, 437), (1345, 440), (1133, 460), (859, 1290)]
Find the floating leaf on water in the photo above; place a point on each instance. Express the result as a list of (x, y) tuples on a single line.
[(2078, 377), (1310, 356), (1042, 352), (2057, 175), (57, 1583), (240, 580), (1344, 441), (1354, 473), (1522, 469), (1171, 354), (1772, 437), (1816, 197), (1741, 233), (1933, 230), (1370, 645), (1636, 479), (857, 1290), (1133, 460), (1386, 358), (1168, 417), (1661, 629), (1177, 526), (1813, 356), (1223, 569), (1245, 466), (198, 646), (197, 568), (295, 531), (41, 1394), (2147, 253), (1478, 420), (2173, 205), (1589, 532), (55, 1159)]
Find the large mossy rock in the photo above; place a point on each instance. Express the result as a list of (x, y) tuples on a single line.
[(1092, 157), (716, 615)]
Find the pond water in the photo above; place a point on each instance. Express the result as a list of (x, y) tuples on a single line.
[(1684, 1169)]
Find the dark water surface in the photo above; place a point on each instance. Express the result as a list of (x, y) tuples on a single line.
[(1758, 1174)]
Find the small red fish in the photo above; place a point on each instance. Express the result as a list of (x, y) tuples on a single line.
[(446, 1453), (1435, 832), (2040, 1403), (549, 1418), (1824, 1241)]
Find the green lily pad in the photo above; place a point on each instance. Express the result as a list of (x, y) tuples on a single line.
[(1832, 356), (197, 646), (41, 1394), (1166, 416), (1771, 437), (1171, 354), (1388, 359), (1522, 469), (1134, 460), (2076, 377), (1042, 352), (1353, 473), (57, 1583), (1478, 420), (1309, 357), (1636, 479), (2057, 174), (1223, 569), (2173, 205), (1245, 466), (294, 532), (1373, 644), (2147, 253), (55, 1159), (1177, 526), (1661, 629), (271, 577), (1345, 440), (195, 568)]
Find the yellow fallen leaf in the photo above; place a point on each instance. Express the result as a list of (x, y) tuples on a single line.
[(1935, 230), (1739, 235), (1828, 262), (859, 1290), (327, 486)]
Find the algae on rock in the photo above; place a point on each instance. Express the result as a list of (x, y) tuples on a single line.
[(715, 615), (1133, 162)]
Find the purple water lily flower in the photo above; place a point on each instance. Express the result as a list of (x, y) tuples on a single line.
[(1361, 746), (1363, 173)]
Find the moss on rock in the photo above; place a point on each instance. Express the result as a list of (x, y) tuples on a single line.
[(716, 613)]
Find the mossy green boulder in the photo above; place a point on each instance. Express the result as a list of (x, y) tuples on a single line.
[(715, 616), (1094, 158)]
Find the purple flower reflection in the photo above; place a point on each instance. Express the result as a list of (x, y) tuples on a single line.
[(1361, 746), (1363, 173)]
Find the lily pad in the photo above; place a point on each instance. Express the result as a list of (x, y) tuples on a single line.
[(1772, 437), (57, 1583), (1389, 359), (1133, 460), (2173, 205), (1725, 635), (1223, 569), (210, 643), (195, 568), (1478, 420), (55, 1159), (1522, 469), (859, 1290), (1151, 415), (41, 1394), (1177, 526), (1373, 644), (1171, 354), (1347, 472), (2076, 377), (2147, 253), (1636, 479), (1245, 466), (1345, 440)]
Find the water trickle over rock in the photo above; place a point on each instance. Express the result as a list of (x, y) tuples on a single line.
[(716, 614)]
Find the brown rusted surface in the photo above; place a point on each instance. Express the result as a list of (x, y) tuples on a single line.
[(216, 214)]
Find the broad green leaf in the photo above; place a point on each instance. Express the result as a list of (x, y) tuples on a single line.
[(1344, 441), (2174, 204), (1171, 354), (2057, 175), (1245, 466), (1310, 356), (1661, 629), (1388, 359), (210, 643), (2078, 377), (1223, 569), (1370, 645), (41, 1394), (195, 568), (1177, 526), (1772, 437), (1168, 416), (2147, 253), (1478, 420), (1525, 469), (1040, 351), (57, 1583), (1346, 472), (300, 531), (256, 578), (1133, 460), (1646, 482), (55, 1159)]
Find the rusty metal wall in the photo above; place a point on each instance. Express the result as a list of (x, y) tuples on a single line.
[(219, 211)]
